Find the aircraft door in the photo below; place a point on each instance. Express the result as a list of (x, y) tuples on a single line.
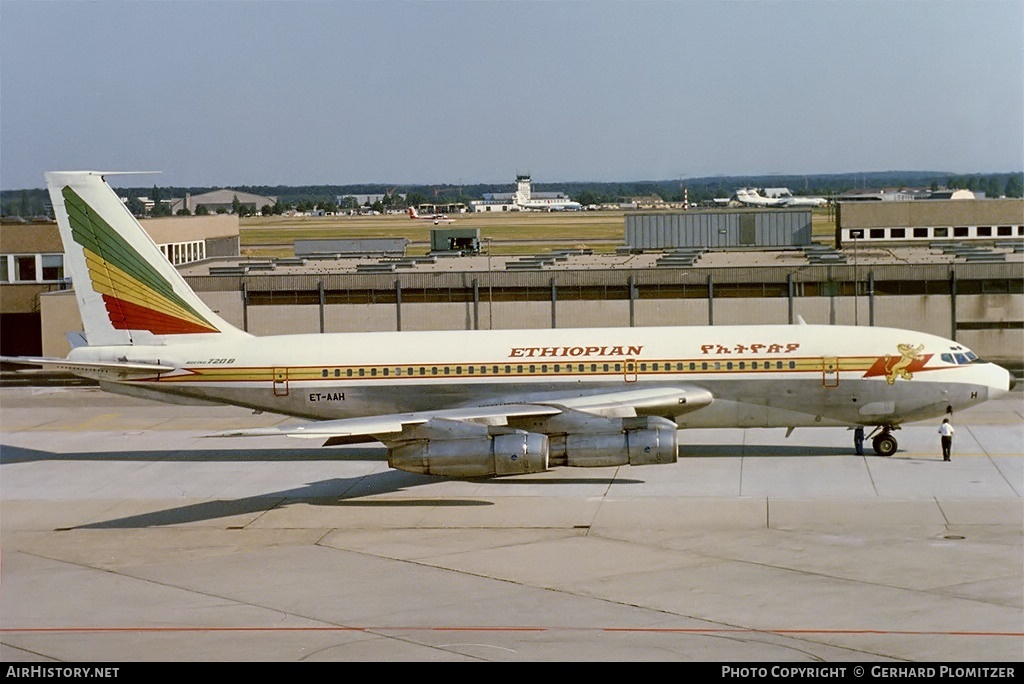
[(830, 371), (629, 370), (280, 382)]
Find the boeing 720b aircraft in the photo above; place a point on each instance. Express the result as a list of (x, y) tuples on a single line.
[(494, 402)]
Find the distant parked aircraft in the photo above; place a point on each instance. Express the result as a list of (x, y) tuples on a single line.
[(436, 218), (540, 205), (753, 197)]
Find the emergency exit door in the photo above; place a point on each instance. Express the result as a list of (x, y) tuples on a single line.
[(280, 382), (830, 371)]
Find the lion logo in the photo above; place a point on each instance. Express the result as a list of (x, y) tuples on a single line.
[(900, 367)]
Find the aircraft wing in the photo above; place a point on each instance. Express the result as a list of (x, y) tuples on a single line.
[(609, 404)]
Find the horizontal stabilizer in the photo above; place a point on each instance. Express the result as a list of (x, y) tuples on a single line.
[(92, 369)]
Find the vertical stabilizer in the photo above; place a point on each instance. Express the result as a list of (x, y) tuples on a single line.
[(127, 291)]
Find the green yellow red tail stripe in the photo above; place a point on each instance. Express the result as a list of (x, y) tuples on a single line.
[(136, 295)]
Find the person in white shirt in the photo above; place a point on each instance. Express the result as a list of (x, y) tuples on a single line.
[(946, 437)]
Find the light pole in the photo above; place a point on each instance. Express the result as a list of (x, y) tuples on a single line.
[(855, 234), (490, 288)]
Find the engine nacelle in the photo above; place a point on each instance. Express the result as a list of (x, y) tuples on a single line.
[(513, 453), (652, 440), (638, 441)]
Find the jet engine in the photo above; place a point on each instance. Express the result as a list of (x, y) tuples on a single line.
[(512, 453), (637, 441), (586, 440)]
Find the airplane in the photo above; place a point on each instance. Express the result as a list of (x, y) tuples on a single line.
[(436, 218), (752, 197), (536, 205), (487, 403), (795, 201)]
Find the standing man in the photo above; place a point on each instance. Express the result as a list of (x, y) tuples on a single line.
[(946, 437), (858, 439)]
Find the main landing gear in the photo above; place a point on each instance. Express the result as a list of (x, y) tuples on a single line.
[(884, 443)]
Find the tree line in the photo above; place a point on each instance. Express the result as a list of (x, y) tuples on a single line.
[(30, 203)]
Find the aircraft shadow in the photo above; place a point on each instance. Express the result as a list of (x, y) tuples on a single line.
[(334, 492), (14, 454), (351, 492), (733, 451)]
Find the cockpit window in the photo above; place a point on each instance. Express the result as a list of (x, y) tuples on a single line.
[(948, 358), (972, 356), (961, 358)]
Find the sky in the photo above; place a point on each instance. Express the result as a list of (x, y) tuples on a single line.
[(246, 92)]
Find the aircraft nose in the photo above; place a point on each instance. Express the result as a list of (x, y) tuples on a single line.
[(1007, 382)]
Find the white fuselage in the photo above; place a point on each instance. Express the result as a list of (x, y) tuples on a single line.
[(786, 375)]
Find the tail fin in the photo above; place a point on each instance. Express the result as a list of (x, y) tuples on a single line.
[(412, 213), (127, 291)]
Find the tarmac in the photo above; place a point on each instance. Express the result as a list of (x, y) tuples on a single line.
[(128, 536)]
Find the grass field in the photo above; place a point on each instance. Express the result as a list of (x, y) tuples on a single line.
[(508, 233)]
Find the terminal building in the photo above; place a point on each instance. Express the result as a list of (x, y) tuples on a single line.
[(524, 199)]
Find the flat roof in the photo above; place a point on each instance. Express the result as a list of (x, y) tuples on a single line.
[(555, 260)]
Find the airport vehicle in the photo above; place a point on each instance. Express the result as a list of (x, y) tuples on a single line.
[(436, 218), (493, 402)]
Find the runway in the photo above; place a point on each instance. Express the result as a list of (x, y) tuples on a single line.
[(128, 536)]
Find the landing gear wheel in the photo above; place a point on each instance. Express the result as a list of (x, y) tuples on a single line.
[(884, 444)]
